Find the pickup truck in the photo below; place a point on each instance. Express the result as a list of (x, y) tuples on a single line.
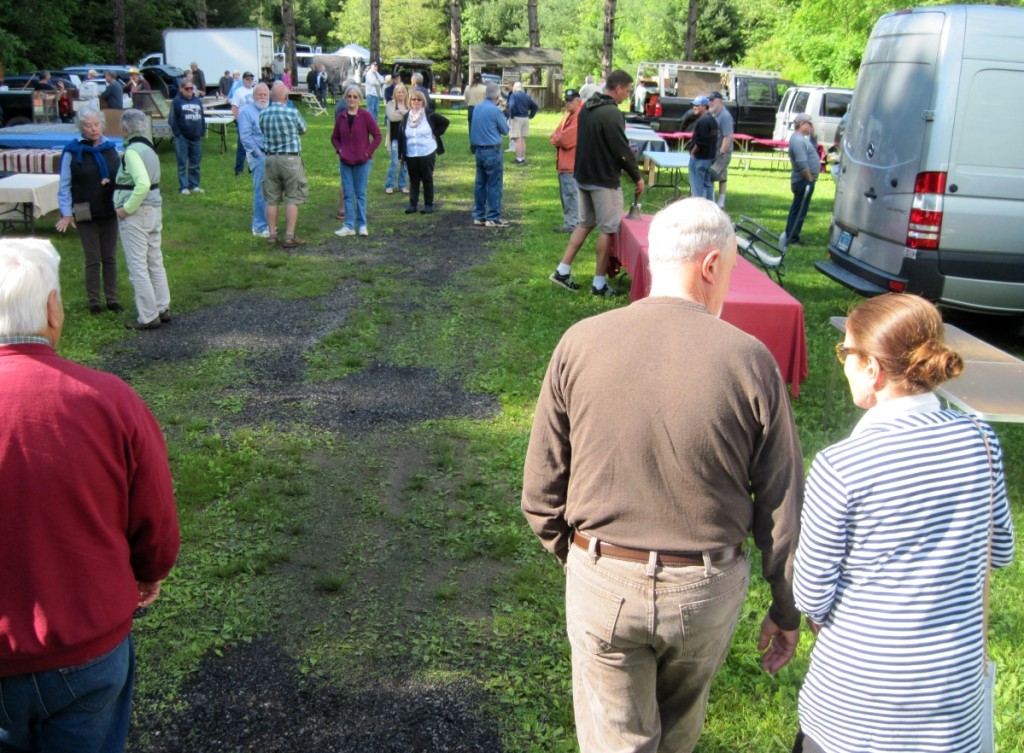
[(664, 92)]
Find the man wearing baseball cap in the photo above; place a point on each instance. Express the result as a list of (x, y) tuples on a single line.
[(806, 162), (702, 149), (241, 97), (723, 149), (564, 141)]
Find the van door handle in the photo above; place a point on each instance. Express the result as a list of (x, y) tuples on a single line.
[(870, 193)]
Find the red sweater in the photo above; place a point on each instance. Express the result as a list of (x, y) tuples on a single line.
[(355, 145), (87, 509)]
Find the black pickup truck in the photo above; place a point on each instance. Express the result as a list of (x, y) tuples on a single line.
[(664, 100)]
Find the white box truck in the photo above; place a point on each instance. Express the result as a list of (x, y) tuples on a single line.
[(216, 51)]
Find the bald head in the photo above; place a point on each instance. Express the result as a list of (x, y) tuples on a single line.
[(279, 93)]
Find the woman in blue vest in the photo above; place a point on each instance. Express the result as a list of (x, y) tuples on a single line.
[(88, 167)]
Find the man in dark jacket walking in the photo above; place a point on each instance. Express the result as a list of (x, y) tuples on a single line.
[(188, 124), (602, 153)]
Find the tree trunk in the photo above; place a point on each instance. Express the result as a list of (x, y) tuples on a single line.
[(288, 24), (456, 45), (120, 48), (531, 15), (691, 30), (609, 37), (201, 14), (375, 30)]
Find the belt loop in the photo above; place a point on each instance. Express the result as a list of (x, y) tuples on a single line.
[(592, 549), (652, 564), (707, 563)]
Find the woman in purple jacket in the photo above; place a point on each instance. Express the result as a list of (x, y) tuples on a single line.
[(355, 139)]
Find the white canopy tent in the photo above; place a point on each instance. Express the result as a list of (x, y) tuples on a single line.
[(354, 51)]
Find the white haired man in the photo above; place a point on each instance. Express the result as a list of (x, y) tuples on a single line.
[(90, 526), (647, 499)]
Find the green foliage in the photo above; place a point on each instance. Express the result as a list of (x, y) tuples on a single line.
[(410, 28)]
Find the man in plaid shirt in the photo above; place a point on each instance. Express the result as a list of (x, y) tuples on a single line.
[(284, 179)]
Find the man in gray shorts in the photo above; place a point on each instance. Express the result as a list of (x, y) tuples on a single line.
[(284, 179), (602, 153)]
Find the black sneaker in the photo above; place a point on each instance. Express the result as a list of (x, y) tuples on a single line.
[(563, 281), (411, 209), (607, 291)]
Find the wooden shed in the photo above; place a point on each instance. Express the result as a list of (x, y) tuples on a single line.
[(539, 68)]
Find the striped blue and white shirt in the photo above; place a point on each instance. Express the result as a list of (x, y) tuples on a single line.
[(891, 561)]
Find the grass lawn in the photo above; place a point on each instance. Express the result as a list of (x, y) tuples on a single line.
[(402, 551)]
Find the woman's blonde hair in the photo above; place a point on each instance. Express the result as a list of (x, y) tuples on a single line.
[(904, 333)]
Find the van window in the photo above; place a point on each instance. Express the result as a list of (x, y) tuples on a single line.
[(800, 103), (988, 103), (886, 125), (834, 104)]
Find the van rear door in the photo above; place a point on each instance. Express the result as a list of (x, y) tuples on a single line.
[(984, 200), (882, 148)]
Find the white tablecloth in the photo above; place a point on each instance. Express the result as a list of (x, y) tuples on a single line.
[(39, 191)]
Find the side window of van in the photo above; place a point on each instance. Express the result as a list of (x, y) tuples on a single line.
[(800, 103), (834, 104)]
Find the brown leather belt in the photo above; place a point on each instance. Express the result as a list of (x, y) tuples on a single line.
[(604, 549)]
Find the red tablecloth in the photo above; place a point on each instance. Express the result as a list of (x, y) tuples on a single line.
[(754, 304)]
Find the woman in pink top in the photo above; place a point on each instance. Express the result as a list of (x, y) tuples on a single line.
[(356, 137)]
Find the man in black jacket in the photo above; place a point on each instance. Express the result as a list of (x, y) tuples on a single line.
[(602, 153)]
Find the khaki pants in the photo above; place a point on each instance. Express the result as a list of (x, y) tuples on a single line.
[(646, 644)]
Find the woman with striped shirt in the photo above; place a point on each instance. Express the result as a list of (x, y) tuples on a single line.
[(893, 546)]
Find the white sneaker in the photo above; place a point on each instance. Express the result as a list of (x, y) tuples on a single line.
[(197, 189), (344, 231), (185, 192), (261, 233), (363, 230)]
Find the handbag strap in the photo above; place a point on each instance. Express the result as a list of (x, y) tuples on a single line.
[(991, 525)]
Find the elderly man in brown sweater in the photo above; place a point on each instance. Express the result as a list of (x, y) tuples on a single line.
[(644, 476)]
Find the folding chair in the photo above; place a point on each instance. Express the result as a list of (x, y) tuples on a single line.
[(761, 246), (315, 106)]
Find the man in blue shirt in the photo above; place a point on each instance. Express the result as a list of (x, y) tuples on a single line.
[(188, 124), (521, 108), (485, 137), (252, 141)]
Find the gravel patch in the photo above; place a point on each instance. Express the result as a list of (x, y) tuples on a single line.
[(254, 698)]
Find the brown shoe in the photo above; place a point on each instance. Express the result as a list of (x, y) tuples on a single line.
[(293, 242), (165, 316), (272, 240), (136, 324)]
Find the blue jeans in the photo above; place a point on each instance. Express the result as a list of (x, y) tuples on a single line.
[(700, 179), (403, 173), (798, 209), (353, 180), (490, 169), (239, 157), (258, 166), (373, 105), (188, 153), (82, 709)]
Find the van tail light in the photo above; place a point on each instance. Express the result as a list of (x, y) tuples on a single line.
[(926, 211)]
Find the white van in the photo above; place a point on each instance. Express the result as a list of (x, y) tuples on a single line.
[(930, 191), (825, 104)]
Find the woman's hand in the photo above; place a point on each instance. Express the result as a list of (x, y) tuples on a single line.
[(64, 223)]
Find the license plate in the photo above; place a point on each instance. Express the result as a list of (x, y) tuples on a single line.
[(845, 239)]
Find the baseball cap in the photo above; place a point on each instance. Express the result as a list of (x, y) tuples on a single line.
[(716, 95), (571, 94), (248, 74), (802, 117), (701, 100)]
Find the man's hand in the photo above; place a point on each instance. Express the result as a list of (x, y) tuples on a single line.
[(147, 592), (777, 645), (640, 188)]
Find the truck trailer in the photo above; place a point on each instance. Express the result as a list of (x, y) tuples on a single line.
[(216, 51)]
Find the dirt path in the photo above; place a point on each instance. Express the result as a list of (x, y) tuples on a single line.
[(255, 697)]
